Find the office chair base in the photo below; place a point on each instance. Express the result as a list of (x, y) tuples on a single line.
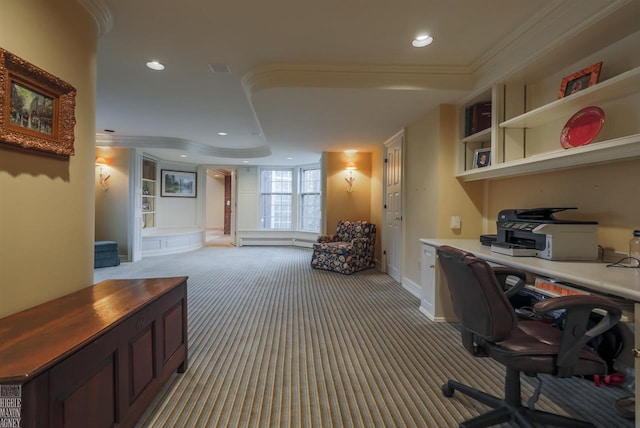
[(508, 410)]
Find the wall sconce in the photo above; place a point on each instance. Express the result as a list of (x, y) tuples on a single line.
[(350, 179), (104, 175)]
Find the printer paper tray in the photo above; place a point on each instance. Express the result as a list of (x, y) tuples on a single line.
[(513, 249)]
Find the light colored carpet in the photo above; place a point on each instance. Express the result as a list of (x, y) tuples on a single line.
[(274, 343)]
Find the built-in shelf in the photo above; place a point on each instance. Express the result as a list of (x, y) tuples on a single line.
[(483, 135), (148, 193), (624, 147), (617, 87), (605, 151)]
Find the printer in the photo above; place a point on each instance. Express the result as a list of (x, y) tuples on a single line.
[(537, 232)]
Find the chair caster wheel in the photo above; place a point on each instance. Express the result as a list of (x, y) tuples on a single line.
[(447, 390)]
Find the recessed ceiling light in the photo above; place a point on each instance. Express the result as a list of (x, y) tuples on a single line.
[(155, 65), (351, 152), (245, 161), (289, 158), (183, 156), (222, 133), (422, 41)]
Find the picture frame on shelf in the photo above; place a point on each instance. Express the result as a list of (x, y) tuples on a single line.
[(482, 158), (178, 184), (582, 79), (37, 109)]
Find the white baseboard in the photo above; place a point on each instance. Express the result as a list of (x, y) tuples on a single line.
[(412, 287), (276, 237)]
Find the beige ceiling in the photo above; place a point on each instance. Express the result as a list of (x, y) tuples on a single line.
[(307, 76)]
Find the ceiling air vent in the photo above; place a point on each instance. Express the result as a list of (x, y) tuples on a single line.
[(220, 68)]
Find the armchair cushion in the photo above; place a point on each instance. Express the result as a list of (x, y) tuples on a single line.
[(349, 250)]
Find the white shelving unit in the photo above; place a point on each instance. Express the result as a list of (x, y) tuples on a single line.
[(149, 193), (622, 147)]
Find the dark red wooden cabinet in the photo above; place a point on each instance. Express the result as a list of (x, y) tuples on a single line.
[(98, 356)]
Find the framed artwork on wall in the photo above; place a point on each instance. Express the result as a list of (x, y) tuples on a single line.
[(178, 184), (37, 110)]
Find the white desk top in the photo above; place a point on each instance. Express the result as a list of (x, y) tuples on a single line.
[(621, 282)]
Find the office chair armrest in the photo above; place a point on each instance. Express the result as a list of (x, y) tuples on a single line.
[(511, 286), (577, 301), (575, 334)]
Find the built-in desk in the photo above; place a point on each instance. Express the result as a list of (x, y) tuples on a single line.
[(592, 276)]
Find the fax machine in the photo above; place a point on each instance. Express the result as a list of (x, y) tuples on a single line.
[(536, 232)]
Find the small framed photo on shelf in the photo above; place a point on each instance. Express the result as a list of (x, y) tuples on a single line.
[(482, 158), (581, 80), (179, 184)]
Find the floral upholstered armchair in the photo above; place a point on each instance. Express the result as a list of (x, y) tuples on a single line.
[(349, 250)]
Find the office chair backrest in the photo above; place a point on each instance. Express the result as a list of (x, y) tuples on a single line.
[(478, 300)]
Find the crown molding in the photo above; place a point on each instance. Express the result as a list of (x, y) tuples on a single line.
[(547, 30), (410, 77), (143, 142), (100, 13)]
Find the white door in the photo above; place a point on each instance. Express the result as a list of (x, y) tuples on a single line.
[(393, 206), (232, 202)]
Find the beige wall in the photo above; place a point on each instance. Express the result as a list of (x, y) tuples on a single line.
[(456, 198), (604, 193), (47, 205), (112, 206), (432, 194), (340, 204)]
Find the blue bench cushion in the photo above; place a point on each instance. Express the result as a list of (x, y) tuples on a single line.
[(105, 254)]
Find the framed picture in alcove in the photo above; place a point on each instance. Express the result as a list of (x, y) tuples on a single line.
[(178, 184)]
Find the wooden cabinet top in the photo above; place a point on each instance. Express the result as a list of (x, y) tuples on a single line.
[(35, 339)]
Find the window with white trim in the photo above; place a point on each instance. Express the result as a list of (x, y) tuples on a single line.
[(276, 190), (309, 200)]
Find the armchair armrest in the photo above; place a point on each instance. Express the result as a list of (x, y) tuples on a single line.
[(323, 239), (575, 334), (510, 285), (365, 241)]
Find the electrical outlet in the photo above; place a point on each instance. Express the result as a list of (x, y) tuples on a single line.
[(456, 222)]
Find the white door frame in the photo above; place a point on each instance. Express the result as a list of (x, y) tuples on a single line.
[(234, 173), (393, 235)]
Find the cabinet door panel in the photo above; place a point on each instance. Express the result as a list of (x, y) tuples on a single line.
[(173, 329), (84, 395), (142, 367)]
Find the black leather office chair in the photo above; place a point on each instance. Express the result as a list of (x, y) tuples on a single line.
[(490, 328)]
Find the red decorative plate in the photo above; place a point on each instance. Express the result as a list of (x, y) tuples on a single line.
[(582, 128)]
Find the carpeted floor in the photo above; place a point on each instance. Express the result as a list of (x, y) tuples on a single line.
[(274, 343)]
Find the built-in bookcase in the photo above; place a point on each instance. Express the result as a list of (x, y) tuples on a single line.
[(149, 193)]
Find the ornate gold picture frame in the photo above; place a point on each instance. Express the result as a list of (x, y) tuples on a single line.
[(37, 110)]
